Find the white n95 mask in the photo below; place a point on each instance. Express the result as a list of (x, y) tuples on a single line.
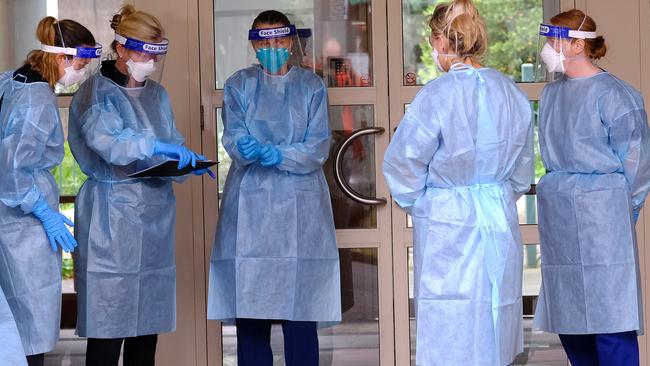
[(435, 54), (436, 57), (553, 60), (140, 71), (72, 76)]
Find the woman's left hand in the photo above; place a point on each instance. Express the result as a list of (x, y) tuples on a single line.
[(270, 156)]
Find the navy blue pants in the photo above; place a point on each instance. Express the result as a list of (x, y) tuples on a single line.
[(254, 343), (613, 349)]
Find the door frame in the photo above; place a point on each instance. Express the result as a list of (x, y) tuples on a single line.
[(377, 96)]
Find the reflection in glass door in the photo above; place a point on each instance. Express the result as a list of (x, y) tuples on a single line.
[(336, 37)]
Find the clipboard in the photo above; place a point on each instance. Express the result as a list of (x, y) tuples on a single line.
[(169, 168)]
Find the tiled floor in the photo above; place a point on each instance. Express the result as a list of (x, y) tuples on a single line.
[(540, 349), (357, 345), (345, 345), (70, 351)]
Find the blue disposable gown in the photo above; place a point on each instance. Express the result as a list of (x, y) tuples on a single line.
[(275, 254), (595, 143), (457, 163), (11, 352), (30, 273), (125, 268)]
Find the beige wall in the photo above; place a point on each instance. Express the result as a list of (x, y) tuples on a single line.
[(626, 25)]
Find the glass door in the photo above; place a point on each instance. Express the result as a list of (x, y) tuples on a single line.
[(344, 42)]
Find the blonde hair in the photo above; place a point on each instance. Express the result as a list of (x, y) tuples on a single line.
[(595, 48), (136, 24), (460, 22), (48, 32)]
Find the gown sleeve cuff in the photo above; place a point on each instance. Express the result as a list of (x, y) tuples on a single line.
[(28, 203), (287, 164)]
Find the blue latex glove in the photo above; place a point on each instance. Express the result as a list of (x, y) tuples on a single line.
[(184, 155), (54, 225), (249, 147), (270, 156), (204, 171), (636, 216)]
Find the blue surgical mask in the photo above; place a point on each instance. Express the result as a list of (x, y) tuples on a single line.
[(272, 59)]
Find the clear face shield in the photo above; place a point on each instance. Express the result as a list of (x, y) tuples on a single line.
[(275, 49), (307, 48), (144, 60), (554, 50), (80, 64)]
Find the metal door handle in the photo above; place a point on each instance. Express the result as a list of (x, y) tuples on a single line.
[(338, 169)]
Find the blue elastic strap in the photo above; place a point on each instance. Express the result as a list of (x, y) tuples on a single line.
[(146, 47)]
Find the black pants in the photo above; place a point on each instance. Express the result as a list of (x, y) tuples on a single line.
[(138, 351), (254, 343), (36, 360)]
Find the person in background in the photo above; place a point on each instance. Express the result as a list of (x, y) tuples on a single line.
[(595, 145), (121, 122), (275, 257), (459, 160), (32, 231)]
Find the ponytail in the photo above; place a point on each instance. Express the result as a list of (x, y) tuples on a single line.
[(42, 62)]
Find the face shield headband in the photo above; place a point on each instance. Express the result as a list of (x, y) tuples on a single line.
[(270, 33), (140, 46), (81, 52), (555, 31)]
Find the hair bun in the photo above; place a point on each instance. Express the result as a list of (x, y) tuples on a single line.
[(460, 22), (597, 49), (125, 11), (115, 21)]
